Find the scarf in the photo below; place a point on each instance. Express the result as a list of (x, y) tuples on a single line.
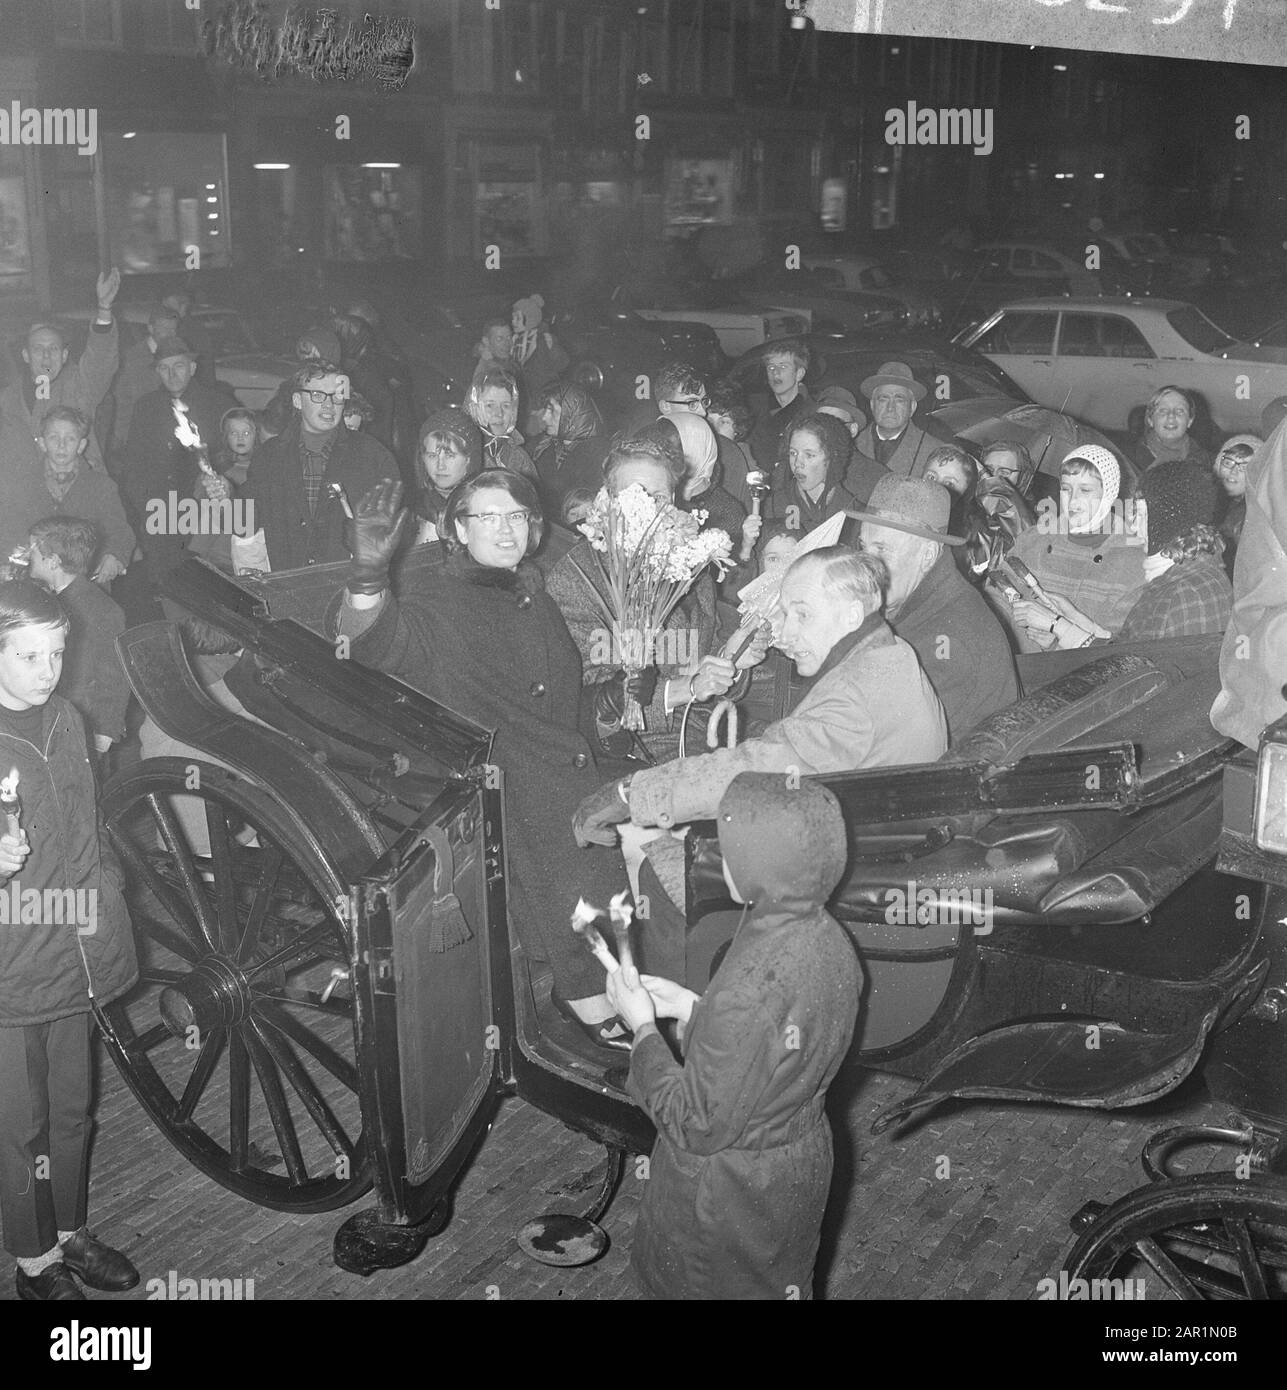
[(59, 484)]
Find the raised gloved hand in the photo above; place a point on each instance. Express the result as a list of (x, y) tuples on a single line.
[(600, 810), (372, 535)]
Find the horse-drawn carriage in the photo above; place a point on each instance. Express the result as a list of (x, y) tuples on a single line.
[(332, 997)]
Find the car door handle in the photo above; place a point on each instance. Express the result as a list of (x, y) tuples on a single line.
[(1042, 361)]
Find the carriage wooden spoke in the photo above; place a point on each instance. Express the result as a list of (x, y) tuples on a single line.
[(227, 1041)]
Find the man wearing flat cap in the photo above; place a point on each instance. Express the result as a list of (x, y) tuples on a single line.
[(945, 620), (893, 441)]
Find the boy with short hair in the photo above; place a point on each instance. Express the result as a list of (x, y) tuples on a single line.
[(67, 486), (52, 972), (93, 678)]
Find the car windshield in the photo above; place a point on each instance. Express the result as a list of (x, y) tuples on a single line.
[(1198, 331), (1275, 337)]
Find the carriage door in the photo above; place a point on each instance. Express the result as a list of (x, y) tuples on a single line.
[(434, 1005)]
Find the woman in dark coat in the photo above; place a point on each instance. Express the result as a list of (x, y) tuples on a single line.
[(807, 486), (739, 1177), (571, 452), (479, 633)]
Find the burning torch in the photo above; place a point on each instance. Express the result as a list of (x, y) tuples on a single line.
[(757, 481), (190, 437), (11, 804), (583, 919)]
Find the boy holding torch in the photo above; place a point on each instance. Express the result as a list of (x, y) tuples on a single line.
[(52, 970)]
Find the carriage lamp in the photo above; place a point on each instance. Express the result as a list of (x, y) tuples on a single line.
[(1271, 789)]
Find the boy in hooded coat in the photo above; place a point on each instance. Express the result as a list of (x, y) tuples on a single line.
[(742, 1166)]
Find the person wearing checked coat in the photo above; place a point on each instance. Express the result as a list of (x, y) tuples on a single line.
[(739, 1177)]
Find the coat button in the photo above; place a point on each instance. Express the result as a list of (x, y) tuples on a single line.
[(525, 601), (581, 760), (537, 689)]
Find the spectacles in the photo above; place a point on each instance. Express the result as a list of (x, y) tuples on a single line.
[(1228, 461), (322, 397), (491, 521), (703, 401)]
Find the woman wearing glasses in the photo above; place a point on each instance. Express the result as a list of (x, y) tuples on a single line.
[(478, 633)]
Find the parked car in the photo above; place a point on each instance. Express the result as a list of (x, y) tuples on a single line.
[(738, 325), (868, 275), (1100, 359), (833, 309)]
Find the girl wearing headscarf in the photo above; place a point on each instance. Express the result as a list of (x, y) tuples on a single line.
[(449, 450), (1188, 593), (742, 1166), (570, 453), (493, 406), (1088, 550), (701, 491)]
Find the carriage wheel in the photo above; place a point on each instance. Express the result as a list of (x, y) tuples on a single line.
[(1203, 1237), (239, 1040)]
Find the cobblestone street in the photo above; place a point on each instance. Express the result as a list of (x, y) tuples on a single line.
[(973, 1204)]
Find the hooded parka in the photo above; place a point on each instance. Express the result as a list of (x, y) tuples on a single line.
[(739, 1178)]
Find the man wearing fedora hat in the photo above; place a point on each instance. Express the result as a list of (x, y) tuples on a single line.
[(893, 441), (945, 620)]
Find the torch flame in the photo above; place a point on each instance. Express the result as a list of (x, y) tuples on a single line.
[(184, 430), (583, 914), (9, 785), (621, 910)]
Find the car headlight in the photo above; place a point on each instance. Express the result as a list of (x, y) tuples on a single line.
[(589, 375), (1271, 790)]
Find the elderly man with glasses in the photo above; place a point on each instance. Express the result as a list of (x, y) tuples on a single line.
[(291, 476)]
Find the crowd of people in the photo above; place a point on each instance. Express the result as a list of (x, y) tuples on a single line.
[(888, 647)]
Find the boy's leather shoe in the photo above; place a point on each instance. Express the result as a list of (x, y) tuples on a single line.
[(54, 1285), (98, 1265)]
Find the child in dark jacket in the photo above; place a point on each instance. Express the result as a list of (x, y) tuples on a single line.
[(93, 678), (69, 948)]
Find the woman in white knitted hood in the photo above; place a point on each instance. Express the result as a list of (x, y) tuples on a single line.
[(1090, 552)]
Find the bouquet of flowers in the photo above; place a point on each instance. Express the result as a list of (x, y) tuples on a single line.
[(649, 553)]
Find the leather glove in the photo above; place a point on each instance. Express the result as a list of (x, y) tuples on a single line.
[(372, 536), (610, 696), (596, 813)]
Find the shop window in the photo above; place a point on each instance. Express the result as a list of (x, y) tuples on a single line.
[(167, 196), (371, 214), (698, 192), (521, 48), (507, 206)]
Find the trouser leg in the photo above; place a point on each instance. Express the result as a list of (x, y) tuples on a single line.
[(26, 1194), (69, 1118)]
